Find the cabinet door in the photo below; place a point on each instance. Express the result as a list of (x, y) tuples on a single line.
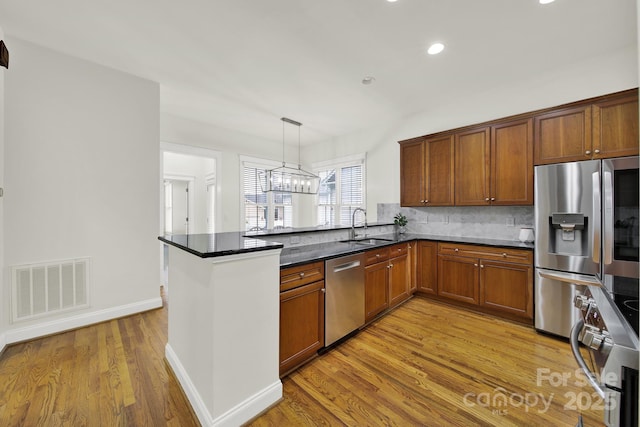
[(412, 174), (413, 267), (439, 173), (458, 278), (615, 127), (398, 280), (376, 289), (301, 324), (472, 167), (507, 288), (563, 136), (512, 163), (426, 269)]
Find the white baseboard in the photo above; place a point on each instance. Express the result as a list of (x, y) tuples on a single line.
[(78, 321), (251, 407), (203, 414), (235, 416), (3, 342)]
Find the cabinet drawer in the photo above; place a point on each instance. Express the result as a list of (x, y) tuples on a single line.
[(301, 275), (398, 250), (486, 252), (376, 255)]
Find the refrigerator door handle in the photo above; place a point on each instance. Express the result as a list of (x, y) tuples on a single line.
[(608, 217), (578, 279), (595, 230)]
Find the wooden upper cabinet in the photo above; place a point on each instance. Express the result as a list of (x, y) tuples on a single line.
[(412, 174), (615, 127), (602, 128), (426, 172), (512, 163), (472, 155), (563, 136), (439, 173)]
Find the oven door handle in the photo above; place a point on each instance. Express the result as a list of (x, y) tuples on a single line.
[(575, 349), (573, 278)]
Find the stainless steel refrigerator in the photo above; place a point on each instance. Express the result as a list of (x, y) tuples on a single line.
[(586, 225)]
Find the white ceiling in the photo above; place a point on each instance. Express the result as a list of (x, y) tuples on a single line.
[(243, 64)]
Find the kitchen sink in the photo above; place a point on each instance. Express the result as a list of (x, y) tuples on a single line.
[(371, 241)]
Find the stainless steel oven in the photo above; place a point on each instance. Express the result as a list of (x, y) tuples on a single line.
[(609, 329)]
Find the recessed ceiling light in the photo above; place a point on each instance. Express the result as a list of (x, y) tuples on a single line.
[(368, 80), (546, 1), (435, 48), (392, 1)]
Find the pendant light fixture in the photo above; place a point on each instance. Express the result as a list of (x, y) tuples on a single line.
[(285, 179)]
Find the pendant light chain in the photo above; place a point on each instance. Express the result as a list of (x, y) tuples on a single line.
[(299, 165), (283, 143)]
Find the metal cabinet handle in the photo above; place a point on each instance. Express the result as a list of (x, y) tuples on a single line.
[(504, 254), (323, 290), (486, 199), (426, 201), (481, 266), (377, 255), (596, 151), (302, 274), (455, 250), (587, 152), (493, 199), (475, 265)]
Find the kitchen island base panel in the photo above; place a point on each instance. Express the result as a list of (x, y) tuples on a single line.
[(224, 333)]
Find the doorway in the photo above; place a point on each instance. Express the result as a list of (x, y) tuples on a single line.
[(189, 187)]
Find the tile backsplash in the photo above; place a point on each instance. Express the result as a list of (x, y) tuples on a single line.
[(493, 222)]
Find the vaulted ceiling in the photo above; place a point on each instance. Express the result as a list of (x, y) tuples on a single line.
[(243, 64)]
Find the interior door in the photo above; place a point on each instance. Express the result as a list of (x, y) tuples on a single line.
[(177, 206)]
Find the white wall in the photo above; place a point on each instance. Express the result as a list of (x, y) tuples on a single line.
[(187, 166), (595, 76), (81, 174)]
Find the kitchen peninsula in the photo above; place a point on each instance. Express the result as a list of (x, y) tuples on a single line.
[(223, 324), (225, 303)]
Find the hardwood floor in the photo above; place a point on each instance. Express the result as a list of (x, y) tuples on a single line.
[(109, 374), (413, 367), (428, 364)]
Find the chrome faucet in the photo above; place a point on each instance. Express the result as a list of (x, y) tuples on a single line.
[(352, 234)]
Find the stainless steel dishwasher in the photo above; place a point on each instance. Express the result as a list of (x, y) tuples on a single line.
[(344, 298)]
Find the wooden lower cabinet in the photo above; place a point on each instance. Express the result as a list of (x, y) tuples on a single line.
[(493, 279), (399, 279), (458, 278), (301, 324), (507, 287), (387, 283), (426, 267), (376, 289)]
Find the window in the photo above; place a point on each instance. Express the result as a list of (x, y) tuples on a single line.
[(341, 190), (263, 210)]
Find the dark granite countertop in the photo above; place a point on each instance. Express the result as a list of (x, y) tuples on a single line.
[(218, 244), (296, 255), (231, 243)]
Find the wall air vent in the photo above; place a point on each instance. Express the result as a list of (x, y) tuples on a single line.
[(49, 288)]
